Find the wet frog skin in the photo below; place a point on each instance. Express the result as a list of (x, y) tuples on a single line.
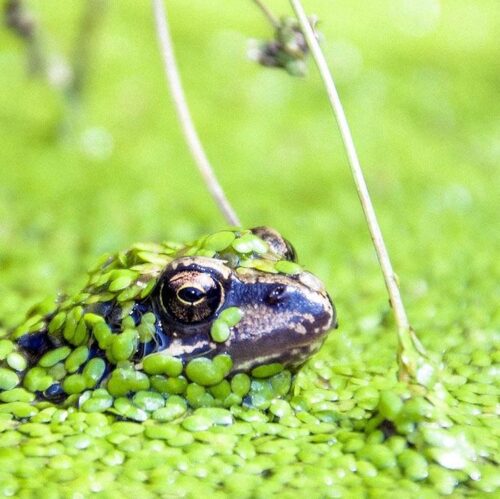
[(169, 318)]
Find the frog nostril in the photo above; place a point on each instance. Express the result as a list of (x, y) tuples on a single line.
[(276, 295)]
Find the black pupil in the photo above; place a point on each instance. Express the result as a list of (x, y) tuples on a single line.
[(190, 294)]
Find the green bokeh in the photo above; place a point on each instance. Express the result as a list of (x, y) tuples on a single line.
[(419, 81)]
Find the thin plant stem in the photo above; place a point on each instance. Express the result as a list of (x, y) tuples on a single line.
[(91, 15), (270, 16), (23, 23), (82, 58), (184, 116), (407, 338), (69, 79)]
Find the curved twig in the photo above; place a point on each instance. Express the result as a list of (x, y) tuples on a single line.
[(407, 338), (265, 10), (190, 134)]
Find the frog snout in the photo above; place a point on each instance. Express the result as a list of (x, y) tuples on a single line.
[(313, 299), (303, 297), (285, 319), (315, 292)]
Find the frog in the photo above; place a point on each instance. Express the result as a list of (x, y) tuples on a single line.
[(161, 316)]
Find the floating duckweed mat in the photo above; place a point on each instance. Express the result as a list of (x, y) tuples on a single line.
[(150, 424), (343, 431), (422, 94), (129, 423)]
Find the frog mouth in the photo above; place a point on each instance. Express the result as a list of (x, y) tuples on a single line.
[(285, 320), (290, 339), (292, 358)]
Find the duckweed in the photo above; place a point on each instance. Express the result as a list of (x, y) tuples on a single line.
[(240, 384), (16, 361), (52, 357), (36, 379), (219, 241), (8, 379), (288, 267), (220, 331), (17, 395), (97, 403), (338, 427), (77, 357), (6, 346), (248, 242), (221, 327), (204, 372), (264, 446), (93, 371), (148, 401), (162, 364)]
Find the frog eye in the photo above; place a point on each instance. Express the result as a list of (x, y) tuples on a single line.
[(191, 296)]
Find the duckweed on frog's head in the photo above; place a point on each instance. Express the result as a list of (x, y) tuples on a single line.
[(161, 316)]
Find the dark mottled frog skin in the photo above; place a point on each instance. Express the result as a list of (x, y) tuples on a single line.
[(237, 298)]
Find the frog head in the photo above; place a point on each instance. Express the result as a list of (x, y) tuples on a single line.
[(234, 301), (251, 301)]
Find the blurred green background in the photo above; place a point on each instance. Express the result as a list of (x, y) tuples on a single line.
[(419, 81)]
